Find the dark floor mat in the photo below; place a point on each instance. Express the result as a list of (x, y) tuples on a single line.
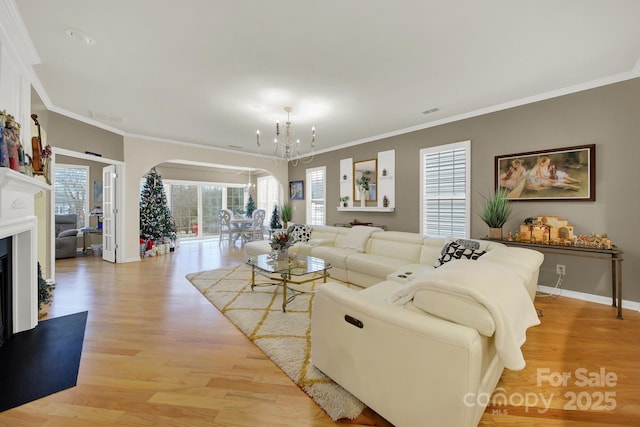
[(41, 361)]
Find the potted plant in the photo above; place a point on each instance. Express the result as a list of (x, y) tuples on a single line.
[(363, 181), (45, 293), (286, 213), (496, 212), (344, 201)]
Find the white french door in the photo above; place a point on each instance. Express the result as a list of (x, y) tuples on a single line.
[(108, 208)]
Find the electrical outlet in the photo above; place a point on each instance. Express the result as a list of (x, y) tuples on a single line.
[(560, 269)]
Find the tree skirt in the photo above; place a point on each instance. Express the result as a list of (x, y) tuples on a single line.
[(284, 337)]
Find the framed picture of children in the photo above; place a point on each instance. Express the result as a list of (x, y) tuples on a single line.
[(561, 174)]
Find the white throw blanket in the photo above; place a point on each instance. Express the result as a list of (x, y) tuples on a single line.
[(357, 237), (496, 287)]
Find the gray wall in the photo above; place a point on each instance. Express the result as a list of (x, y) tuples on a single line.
[(78, 136), (74, 135), (608, 117)]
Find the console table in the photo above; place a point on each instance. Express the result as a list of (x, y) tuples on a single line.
[(615, 255), (85, 232)]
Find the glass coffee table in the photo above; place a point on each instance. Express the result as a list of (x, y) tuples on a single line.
[(295, 270)]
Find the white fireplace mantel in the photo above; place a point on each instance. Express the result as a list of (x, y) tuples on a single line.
[(18, 220)]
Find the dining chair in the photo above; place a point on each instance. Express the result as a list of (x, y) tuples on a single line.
[(224, 222), (256, 229)]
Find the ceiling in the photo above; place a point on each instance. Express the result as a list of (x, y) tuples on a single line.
[(212, 72)]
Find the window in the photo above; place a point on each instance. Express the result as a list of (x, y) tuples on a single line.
[(183, 204), (195, 205), (72, 192), (445, 173), (236, 200), (211, 205), (268, 195), (316, 190)]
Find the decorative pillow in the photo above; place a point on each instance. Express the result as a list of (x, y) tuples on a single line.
[(469, 244), (300, 233), (457, 251)]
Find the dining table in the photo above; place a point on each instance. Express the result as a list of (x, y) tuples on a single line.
[(238, 227)]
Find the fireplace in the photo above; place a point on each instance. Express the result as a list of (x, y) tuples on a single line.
[(18, 232)]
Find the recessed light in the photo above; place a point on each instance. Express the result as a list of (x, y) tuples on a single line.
[(433, 110), (80, 36)]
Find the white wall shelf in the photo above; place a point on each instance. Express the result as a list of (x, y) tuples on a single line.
[(367, 209)]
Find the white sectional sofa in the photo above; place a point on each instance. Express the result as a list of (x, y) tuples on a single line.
[(419, 345), (382, 255)]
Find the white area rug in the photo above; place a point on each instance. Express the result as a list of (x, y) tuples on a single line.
[(284, 337)]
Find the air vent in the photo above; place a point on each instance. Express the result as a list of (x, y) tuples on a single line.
[(236, 147), (433, 110)]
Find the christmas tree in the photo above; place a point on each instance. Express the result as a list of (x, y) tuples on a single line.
[(275, 219), (156, 222), (251, 206)]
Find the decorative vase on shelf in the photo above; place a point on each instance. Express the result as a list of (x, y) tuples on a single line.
[(364, 194)]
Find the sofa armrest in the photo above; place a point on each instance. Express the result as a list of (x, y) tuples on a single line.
[(403, 364), (67, 233)]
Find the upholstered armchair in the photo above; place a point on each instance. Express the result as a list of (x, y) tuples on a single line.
[(66, 229)]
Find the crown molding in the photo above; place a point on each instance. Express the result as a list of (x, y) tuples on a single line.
[(15, 36)]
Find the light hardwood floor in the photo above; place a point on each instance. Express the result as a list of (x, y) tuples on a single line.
[(157, 353)]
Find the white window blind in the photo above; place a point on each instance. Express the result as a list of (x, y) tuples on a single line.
[(316, 200), (71, 190), (268, 195), (445, 185)]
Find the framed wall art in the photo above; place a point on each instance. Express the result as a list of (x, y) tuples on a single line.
[(296, 190), (561, 174)]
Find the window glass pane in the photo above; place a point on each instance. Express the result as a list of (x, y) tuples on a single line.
[(211, 205), (184, 207), (235, 200), (71, 191)]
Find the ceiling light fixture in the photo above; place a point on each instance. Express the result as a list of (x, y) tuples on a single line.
[(249, 187), (80, 36), (287, 148)]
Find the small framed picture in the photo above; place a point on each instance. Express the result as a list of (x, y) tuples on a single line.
[(296, 190)]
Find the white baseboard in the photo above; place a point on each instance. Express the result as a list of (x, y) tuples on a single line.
[(632, 305)]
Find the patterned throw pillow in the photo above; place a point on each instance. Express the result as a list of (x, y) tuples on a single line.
[(300, 233), (469, 244), (457, 251)]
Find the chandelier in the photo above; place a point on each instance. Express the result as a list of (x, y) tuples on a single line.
[(287, 146), (249, 187)]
